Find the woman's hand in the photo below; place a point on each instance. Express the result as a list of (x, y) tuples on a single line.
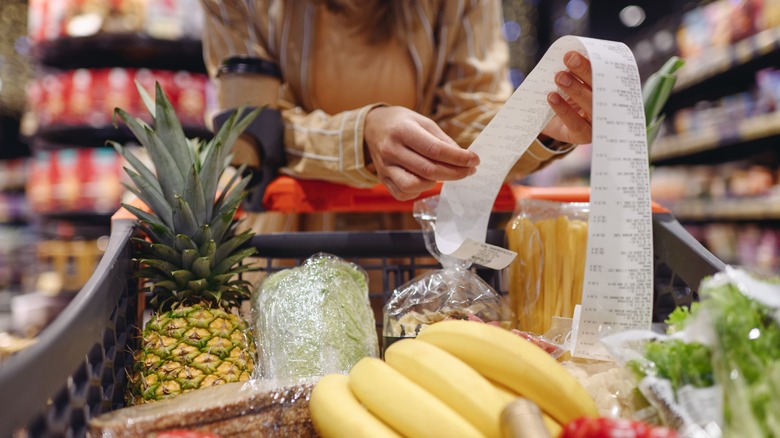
[(572, 120), (410, 152)]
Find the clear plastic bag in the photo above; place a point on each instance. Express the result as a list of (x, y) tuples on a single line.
[(453, 292), (545, 279), (717, 372), (314, 319), (264, 408)]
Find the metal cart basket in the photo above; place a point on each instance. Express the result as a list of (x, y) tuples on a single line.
[(77, 369)]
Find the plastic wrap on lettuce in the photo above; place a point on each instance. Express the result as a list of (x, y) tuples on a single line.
[(314, 319)]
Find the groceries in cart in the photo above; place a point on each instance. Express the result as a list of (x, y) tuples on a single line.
[(453, 292), (459, 360), (717, 369), (546, 278), (190, 257), (313, 319)]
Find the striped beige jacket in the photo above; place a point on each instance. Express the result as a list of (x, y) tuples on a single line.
[(457, 54)]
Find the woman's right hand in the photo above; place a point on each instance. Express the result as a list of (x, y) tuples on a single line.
[(411, 153)]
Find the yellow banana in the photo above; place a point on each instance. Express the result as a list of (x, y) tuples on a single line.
[(336, 413), (516, 363), (508, 396), (458, 385), (403, 404)]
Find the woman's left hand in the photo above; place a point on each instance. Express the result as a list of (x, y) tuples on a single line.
[(572, 120)]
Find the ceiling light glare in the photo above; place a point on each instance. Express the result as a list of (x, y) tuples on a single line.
[(632, 16), (512, 31), (576, 9)]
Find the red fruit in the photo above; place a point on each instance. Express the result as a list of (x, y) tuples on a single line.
[(614, 428)]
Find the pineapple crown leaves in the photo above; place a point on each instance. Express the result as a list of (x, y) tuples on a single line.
[(186, 181), (194, 253)]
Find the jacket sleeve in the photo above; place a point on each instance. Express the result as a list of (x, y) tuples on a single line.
[(317, 145), (475, 84)]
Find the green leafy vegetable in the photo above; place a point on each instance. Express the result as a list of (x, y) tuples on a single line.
[(314, 319), (679, 362), (655, 93), (679, 317), (746, 359)]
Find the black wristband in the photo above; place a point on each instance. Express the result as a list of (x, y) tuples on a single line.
[(245, 64)]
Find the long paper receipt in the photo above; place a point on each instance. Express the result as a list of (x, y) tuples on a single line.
[(618, 285)]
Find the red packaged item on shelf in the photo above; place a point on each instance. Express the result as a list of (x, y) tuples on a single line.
[(39, 185), (51, 20), (88, 97), (67, 187), (103, 189), (85, 180)]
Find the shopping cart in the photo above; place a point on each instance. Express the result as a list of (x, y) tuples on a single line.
[(78, 367)]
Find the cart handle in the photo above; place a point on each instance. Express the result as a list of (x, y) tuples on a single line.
[(289, 195), (564, 194)]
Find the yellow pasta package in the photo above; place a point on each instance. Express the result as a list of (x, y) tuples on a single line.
[(545, 279)]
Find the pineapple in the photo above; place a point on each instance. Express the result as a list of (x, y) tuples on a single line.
[(195, 337)]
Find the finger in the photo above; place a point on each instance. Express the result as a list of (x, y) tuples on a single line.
[(580, 131), (404, 185), (434, 128), (424, 167), (578, 92), (429, 146), (579, 66)]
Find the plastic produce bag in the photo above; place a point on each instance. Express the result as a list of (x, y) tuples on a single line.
[(717, 371), (545, 279), (453, 292), (314, 319)]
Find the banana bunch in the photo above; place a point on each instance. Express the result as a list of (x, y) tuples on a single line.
[(455, 380)]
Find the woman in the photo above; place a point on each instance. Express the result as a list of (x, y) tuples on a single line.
[(379, 91)]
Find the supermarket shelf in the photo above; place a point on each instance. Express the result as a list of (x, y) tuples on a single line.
[(60, 136), (720, 70), (13, 208), (84, 225), (121, 50), (711, 210), (678, 148), (85, 217), (11, 145)]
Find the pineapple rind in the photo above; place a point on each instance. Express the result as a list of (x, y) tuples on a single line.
[(214, 349)]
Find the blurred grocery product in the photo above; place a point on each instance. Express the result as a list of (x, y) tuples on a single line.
[(87, 97), (10, 344), (164, 19), (86, 57), (75, 180)]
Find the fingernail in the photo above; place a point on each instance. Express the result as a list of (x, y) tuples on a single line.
[(554, 98), (563, 79), (473, 161), (574, 60), (472, 171)]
